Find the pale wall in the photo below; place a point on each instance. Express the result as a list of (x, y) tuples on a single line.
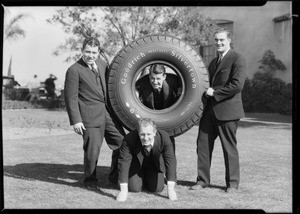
[(255, 33)]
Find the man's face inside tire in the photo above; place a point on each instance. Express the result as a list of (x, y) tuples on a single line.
[(156, 80)]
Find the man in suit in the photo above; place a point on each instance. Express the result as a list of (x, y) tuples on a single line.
[(145, 156), (85, 98), (158, 90), (222, 111)]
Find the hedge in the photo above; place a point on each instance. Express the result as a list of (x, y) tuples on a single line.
[(14, 104), (266, 94)]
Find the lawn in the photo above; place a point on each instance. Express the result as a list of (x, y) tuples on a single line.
[(43, 157)]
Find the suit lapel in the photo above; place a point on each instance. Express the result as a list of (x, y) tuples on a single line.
[(221, 65), (212, 70), (165, 90), (150, 97), (140, 157), (148, 94), (102, 77), (137, 150), (89, 76), (156, 148)]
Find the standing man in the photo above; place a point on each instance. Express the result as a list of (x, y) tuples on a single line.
[(145, 156), (50, 86), (34, 87), (85, 98), (223, 109)]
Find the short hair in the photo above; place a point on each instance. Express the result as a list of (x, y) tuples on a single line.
[(223, 29), (143, 122), (92, 41), (157, 69)]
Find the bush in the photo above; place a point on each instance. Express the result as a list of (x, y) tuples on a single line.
[(49, 104), (266, 94), (19, 94)]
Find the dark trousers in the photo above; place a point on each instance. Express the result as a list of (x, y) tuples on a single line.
[(147, 177), (92, 142), (209, 129), (173, 142), (114, 135)]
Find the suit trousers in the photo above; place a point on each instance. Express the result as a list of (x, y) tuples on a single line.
[(209, 129), (146, 177), (114, 135), (92, 142)]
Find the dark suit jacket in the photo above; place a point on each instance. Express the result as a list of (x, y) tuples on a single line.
[(83, 99), (131, 156), (170, 90), (228, 81)]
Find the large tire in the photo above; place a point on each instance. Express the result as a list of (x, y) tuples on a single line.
[(172, 52)]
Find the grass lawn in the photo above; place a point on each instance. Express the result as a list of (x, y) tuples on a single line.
[(43, 167)]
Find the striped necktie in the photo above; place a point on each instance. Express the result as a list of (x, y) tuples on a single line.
[(220, 56), (98, 79), (95, 71)]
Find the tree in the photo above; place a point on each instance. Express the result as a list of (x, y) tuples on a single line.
[(12, 29), (270, 64), (115, 27), (266, 93), (190, 24)]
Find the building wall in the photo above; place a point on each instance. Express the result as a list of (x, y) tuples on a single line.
[(255, 32)]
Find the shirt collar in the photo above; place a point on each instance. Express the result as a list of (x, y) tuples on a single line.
[(157, 89), (224, 53), (152, 143), (90, 66)]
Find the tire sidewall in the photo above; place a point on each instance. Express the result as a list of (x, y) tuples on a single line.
[(179, 57)]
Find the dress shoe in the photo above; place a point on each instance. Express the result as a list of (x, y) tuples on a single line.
[(91, 186), (199, 186), (231, 190)]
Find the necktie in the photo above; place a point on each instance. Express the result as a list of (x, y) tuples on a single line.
[(147, 149), (98, 78), (95, 71), (219, 60)]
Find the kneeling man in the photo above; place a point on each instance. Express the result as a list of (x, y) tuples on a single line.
[(146, 155)]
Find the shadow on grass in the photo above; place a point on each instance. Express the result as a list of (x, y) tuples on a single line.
[(185, 183), (246, 124), (70, 175), (249, 124), (217, 187), (192, 184)]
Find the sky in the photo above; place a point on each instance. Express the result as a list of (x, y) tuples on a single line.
[(34, 53)]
